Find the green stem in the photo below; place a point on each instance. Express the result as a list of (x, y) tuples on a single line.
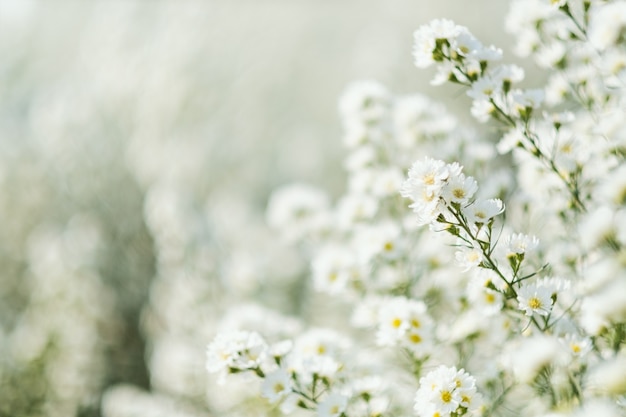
[(565, 9), (491, 264)]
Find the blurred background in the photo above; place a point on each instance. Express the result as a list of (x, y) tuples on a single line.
[(139, 142)]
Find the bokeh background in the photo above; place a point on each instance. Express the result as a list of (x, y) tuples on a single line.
[(139, 142)]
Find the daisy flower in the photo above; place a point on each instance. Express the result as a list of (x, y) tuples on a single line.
[(535, 299)]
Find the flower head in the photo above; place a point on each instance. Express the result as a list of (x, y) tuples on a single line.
[(276, 385), (333, 405), (519, 243), (483, 210), (445, 391), (237, 350), (535, 299)]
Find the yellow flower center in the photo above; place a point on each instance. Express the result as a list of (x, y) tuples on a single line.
[(534, 303), (415, 338), (396, 322), (446, 396), (428, 197), (278, 387), (473, 257), (429, 179), (458, 192)]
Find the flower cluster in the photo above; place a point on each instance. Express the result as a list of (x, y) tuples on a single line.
[(461, 269), (529, 300), (447, 392), (439, 191), (308, 372)]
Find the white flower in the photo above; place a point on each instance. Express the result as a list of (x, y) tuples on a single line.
[(444, 29), (423, 47), (354, 208), (609, 376), (522, 100), (362, 158), (551, 54), (425, 40), (404, 322), (240, 350), (597, 226), (511, 140), (272, 324), (358, 135), (319, 352), (490, 53), (482, 110), (483, 298), (381, 239), (321, 342), (297, 209), (445, 71), (433, 183), (483, 210), (556, 3), (426, 180), (613, 189), (606, 24), (368, 385), (508, 74), (599, 407), (576, 345), (614, 64), (428, 174), (364, 102), (365, 313), (444, 391), (526, 358), (605, 296), (418, 119), (361, 181), (280, 349), (333, 269), (556, 89), (428, 208), (519, 243), (459, 189), (276, 385), (468, 258), (307, 366), (465, 44), (333, 405), (484, 88), (535, 299)]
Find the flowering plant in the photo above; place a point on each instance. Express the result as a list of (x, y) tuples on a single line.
[(513, 300)]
